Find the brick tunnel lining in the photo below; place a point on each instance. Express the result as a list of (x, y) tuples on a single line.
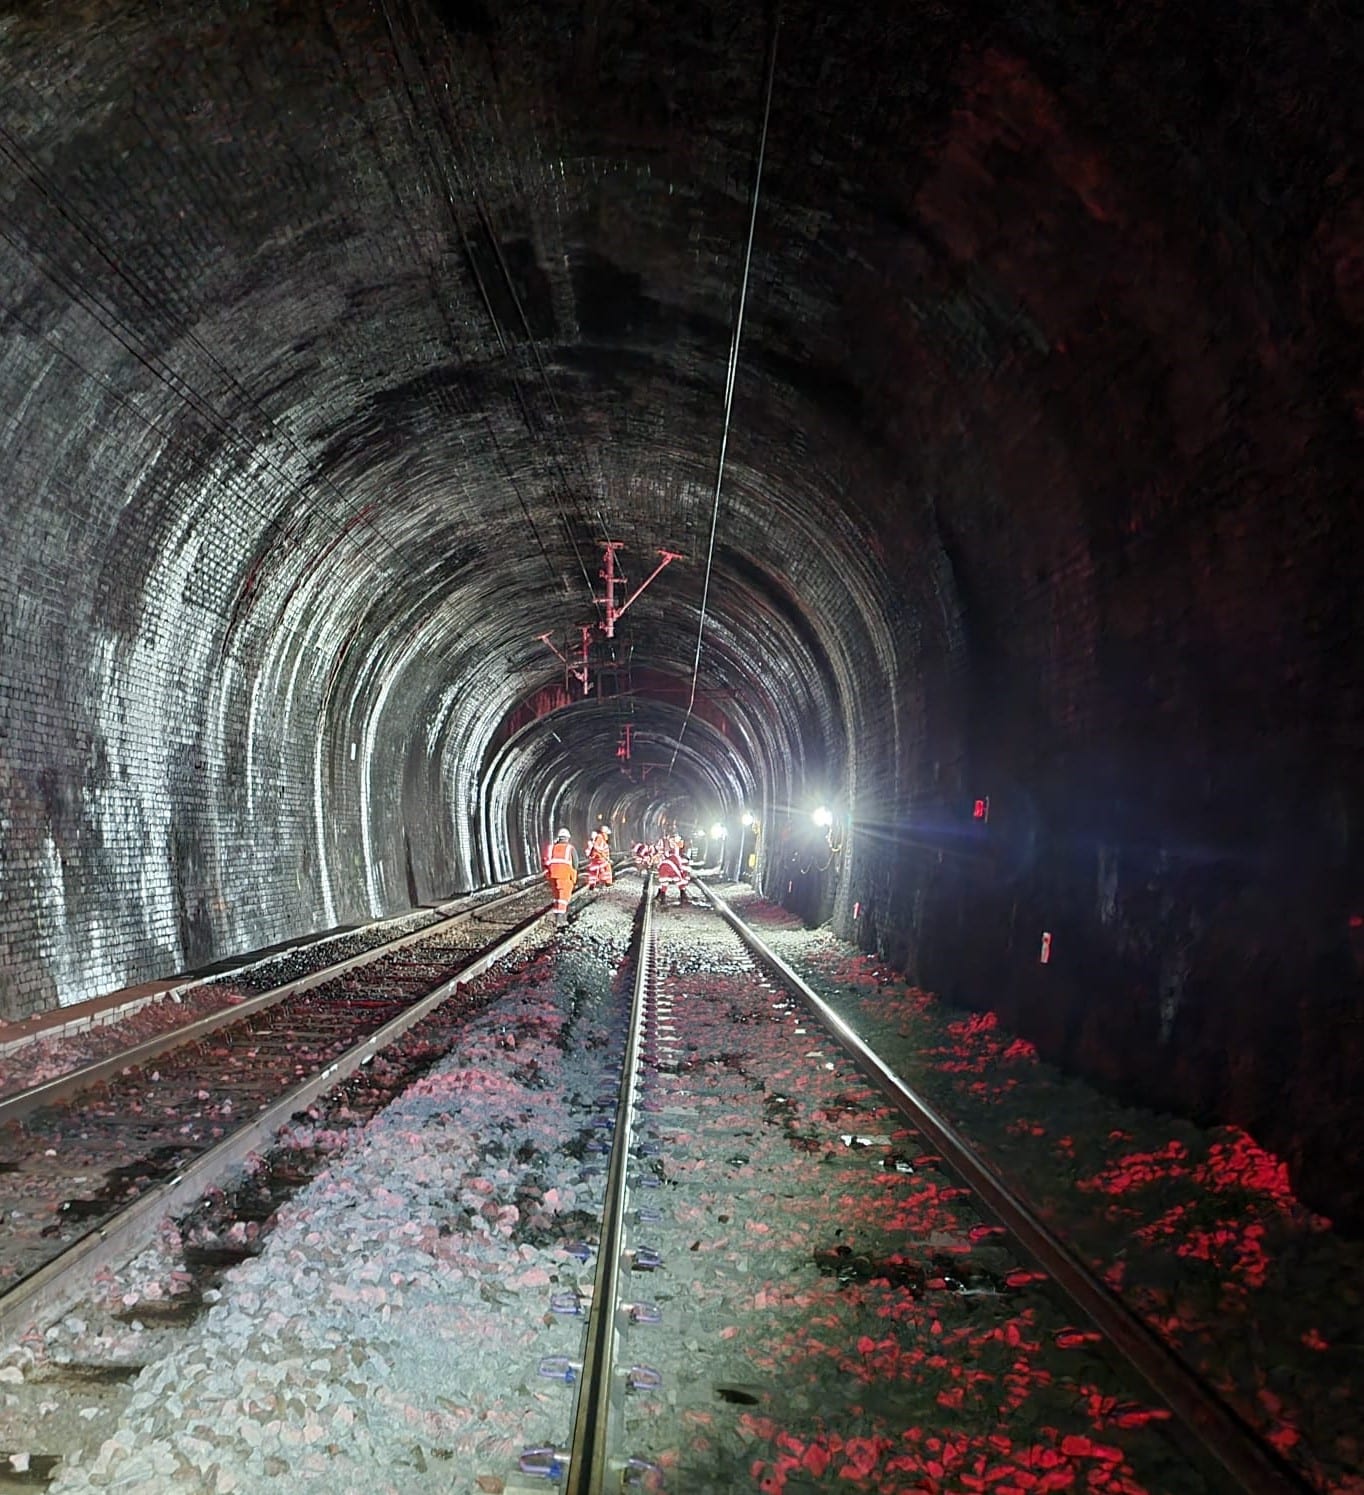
[(322, 383)]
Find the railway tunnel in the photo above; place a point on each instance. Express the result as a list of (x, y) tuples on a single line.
[(994, 373)]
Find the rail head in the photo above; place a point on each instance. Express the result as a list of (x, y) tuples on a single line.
[(21, 1103), (50, 1289)]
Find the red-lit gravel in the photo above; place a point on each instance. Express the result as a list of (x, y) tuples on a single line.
[(1197, 1229), (837, 1314), (42, 1059)]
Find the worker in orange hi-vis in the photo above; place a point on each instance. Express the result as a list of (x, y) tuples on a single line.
[(599, 873), (561, 868)]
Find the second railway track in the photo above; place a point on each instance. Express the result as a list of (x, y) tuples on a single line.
[(79, 1151)]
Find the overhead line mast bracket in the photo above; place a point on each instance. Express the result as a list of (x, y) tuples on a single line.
[(573, 669), (580, 668), (609, 576)]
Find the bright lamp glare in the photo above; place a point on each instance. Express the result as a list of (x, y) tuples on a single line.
[(746, 818), (823, 816), (717, 831)]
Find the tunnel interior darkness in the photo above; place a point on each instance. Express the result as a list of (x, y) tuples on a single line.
[(337, 340)]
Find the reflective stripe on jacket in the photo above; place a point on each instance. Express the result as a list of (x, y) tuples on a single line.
[(561, 854)]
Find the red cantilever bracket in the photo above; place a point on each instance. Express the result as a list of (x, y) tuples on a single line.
[(548, 641), (579, 670), (576, 669), (608, 574)]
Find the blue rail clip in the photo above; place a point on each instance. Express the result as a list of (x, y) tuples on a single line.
[(567, 1303), (647, 1259), (643, 1378), (559, 1368), (645, 1313)]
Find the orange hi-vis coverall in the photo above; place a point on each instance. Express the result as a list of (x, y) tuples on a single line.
[(561, 867), (599, 873)]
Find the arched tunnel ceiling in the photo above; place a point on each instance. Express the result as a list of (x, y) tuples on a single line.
[(367, 323), (338, 337)]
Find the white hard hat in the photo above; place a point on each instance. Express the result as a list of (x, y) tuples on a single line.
[(562, 834)]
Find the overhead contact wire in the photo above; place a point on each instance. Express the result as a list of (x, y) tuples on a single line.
[(730, 381)]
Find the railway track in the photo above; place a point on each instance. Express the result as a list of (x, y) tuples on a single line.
[(91, 1159), (650, 1224), (922, 1329)]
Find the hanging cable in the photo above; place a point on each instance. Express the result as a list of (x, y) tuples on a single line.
[(729, 382)]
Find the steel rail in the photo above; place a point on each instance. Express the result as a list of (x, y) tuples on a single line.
[(598, 1388), (176, 987), (54, 1286), (21, 1103), (1217, 1427)]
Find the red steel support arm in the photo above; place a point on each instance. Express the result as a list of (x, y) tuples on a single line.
[(669, 556)]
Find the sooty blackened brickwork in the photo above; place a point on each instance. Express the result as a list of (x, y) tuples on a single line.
[(337, 338)]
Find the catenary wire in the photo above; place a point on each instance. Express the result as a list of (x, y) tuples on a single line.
[(729, 383)]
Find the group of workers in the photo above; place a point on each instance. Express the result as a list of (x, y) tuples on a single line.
[(664, 857)]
